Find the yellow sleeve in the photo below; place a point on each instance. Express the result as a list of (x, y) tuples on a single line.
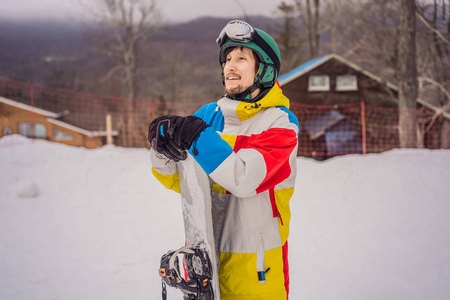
[(165, 170), (172, 182)]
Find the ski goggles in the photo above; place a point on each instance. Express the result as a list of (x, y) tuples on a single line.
[(238, 31)]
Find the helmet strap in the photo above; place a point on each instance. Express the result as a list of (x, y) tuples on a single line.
[(246, 95), (266, 82)]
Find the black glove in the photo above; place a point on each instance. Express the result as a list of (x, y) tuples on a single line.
[(173, 135), (162, 142)]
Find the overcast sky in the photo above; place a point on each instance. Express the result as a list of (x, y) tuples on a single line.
[(172, 10)]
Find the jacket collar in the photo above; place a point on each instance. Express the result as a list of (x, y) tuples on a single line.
[(243, 110)]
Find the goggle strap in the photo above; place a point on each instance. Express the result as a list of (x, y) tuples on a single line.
[(266, 48)]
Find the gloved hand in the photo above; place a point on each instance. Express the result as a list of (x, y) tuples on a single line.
[(173, 135)]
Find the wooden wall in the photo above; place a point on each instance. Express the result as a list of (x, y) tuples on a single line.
[(11, 116), (369, 90)]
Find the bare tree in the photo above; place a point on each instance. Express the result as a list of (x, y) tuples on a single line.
[(343, 20), (368, 33), (310, 16), (371, 35), (244, 11), (333, 9), (407, 74), (433, 16), (288, 36), (434, 60), (128, 24)]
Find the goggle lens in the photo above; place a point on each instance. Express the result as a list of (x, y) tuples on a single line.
[(238, 31)]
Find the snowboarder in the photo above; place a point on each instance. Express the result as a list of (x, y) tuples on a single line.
[(247, 143)]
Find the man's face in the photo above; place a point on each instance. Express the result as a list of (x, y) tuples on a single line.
[(239, 70)]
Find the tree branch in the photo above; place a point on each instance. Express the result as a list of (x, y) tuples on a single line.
[(424, 21), (436, 84), (111, 72)]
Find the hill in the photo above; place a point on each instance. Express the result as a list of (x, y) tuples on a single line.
[(61, 55)]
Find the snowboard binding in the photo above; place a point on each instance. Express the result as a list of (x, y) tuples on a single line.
[(195, 283)]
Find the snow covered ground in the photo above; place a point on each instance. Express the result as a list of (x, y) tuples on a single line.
[(93, 224)]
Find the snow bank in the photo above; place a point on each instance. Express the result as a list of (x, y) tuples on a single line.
[(363, 227)]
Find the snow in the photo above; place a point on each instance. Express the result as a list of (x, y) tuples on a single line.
[(93, 224)]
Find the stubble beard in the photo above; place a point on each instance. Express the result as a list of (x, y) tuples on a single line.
[(234, 91)]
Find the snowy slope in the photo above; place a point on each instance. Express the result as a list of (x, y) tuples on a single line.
[(93, 224)]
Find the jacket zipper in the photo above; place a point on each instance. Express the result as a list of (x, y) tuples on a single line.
[(260, 258)]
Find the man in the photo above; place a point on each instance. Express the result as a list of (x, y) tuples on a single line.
[(247, 143)]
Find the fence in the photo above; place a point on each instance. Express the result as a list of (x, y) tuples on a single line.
[(326, 131), (359, 128)]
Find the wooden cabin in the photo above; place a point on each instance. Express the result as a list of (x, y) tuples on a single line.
[(33, 122), (331, 80), (344, 109)]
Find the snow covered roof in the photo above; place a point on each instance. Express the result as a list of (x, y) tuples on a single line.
[(52, 118), (28, 108), (314, 63)]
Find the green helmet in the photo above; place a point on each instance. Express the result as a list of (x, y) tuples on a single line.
[(239, 33)]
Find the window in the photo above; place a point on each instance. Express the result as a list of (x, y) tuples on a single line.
[(33, 130), (6, 131), (346, 83), (318, 83), (59, 135)]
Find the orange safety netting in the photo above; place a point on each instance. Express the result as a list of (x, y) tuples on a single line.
[(326, 131)]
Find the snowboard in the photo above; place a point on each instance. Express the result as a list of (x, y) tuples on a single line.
[(199, 258)]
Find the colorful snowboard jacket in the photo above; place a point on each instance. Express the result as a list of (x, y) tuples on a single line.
[(249, 152)]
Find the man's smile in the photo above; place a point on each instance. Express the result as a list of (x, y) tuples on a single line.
[(233, 77)]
